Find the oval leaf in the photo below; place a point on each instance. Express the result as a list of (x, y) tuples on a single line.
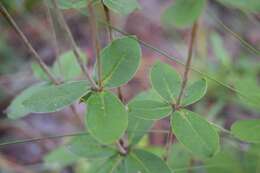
[(143, 161), (67, 67), (166, 81), (244, 5), (54, 98), (137, 128), (87, 147), (60, 158), (194, 92), (106, 117), (183, 13), (195, 133), (179, 158), (120, 61), (122, 6), (247, 130), (17, 109), (149, 109)]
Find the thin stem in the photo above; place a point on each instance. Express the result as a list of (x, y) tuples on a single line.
[(36, 56), (188, 62), (176, 59), (96, 44), (122, 142), (247, 45), (108, 19), (73, 43), (36, 139)]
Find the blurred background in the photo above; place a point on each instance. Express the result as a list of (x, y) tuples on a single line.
[(227, 49)]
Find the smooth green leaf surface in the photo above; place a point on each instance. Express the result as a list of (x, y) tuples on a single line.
[(183, 12), (87, 147), (106, 117), (148, 95), (244, 5), (144, 162), (66, 67), (224, 162), (179, 158), (194, 92), (60, 158), (149, 109), (120, 60), (17, 109), (247, 130), (137, 161), (54, 98), (137, 128), (38, 72), (70, 4), (195, 133), (124, 7), (166, 81)]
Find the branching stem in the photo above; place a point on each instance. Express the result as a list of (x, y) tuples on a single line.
[(188, 62), (95, 40), (36, 56), (73, 43)]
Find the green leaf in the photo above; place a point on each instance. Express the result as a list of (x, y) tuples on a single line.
[(148, 95), (247, 130), (54, 98), (224, 162), (124, 7), (137, 128), (144, 162), (134, 162), (149, 109), (249, 84), (87, 147), (106, 117), (195, 133), (120, 61), (179, 158), (183, 13), (219, 50), (166, 81), (244, 5), (70, 4), (194, 92), (38, 72), (16, 109), (60, 158), (67, 67)]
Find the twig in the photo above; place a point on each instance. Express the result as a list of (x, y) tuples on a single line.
[(176, 59), (108, 19), (121, 143), (95, 40), (73, 43), (36, 56), (188, 62), (41, 138)]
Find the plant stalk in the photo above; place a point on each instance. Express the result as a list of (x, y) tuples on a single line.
[(96, 44), (188, 62), (73, 43), (36, 56)]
